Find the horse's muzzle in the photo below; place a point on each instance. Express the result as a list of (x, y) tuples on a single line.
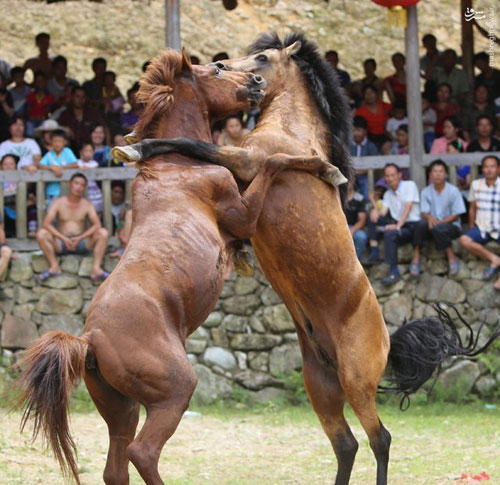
[(255, 89)]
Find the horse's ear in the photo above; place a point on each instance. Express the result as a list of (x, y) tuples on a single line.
[(186, 61), (293, 49)]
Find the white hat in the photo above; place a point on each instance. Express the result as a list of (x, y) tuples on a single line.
[(49, 125)]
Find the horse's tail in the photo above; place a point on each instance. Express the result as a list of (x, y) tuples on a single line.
[(420, 347), (52, 367)]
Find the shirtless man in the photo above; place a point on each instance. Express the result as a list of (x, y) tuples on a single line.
[(43, 61), (70, 235)]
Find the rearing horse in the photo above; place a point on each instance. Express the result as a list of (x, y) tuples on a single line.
[(186, 214), (306, 251)]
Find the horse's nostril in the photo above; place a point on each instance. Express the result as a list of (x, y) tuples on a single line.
[(221, 65), (258, 79)]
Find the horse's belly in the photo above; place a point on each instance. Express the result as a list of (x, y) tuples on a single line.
[(303, 241)]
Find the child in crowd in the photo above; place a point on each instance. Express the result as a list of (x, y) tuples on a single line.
[(397, 119), (118, 141), (9, 162), (38, 103), (464, 176), (85, 162), (58, 158), (19, 91), (429, 118), (111, 95), (400, 146)]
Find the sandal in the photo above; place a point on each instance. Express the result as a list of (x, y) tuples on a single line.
[(488, 273), (46, 275), (415, 269), (454, 268), (100, 278)]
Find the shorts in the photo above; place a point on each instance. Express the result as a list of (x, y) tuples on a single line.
[(476, 236), (81, 248)]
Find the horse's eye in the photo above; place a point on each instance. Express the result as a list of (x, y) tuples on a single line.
[(217, 71), (262, 58)]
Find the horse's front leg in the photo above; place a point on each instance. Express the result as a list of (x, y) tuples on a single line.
[(312, 164), (242, 162)]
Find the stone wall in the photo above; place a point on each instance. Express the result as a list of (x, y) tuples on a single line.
[(248, 342)]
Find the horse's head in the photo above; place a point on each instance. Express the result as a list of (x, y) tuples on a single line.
[(225, 92), (172, 88), (273, 64)]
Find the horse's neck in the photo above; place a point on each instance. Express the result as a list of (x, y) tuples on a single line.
[(186, 119), (297, 111)]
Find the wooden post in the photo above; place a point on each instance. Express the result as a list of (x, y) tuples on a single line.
[(173, 24), (106, 198), (1, 202), (467, 47), (128, 193), (414, 99), (40, 202), (21, 216)]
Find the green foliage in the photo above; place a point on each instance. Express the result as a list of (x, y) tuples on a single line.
[(458, 393), (294, 383), (81, 401), (240, 395)]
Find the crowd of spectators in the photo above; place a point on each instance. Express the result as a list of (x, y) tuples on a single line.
[(58, 123), (457, 118)]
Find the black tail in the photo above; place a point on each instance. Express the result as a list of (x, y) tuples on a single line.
[(419, 347)]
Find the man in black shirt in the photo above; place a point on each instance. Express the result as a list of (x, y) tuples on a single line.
[(484, 142), (355, 211)]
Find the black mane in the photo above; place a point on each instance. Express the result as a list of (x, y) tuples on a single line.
[(325, 88)]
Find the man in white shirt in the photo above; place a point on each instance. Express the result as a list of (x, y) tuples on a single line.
[(484, 216), (396, 219)]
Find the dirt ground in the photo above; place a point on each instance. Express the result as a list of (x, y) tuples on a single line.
[(276, 446)]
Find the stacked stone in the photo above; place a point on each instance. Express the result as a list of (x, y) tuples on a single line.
[(249, 341), (30, 309)]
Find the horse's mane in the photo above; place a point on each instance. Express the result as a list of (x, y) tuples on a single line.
[(325, 88), (155, 91)]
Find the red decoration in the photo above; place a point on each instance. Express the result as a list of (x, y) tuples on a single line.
[(396, 10), (396, 3)]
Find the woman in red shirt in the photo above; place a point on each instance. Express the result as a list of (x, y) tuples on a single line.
[(395, 85), (444, 109), (376, 114), (38, 103)]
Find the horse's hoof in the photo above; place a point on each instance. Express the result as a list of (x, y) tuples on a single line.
[(242, 265), (126, 154), (131, 138), (333, 177)]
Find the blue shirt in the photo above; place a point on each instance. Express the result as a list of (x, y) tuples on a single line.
[(66, 157), (441, 205)]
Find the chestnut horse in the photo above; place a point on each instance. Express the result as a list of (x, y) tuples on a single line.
[(306, 251), (186, 214)]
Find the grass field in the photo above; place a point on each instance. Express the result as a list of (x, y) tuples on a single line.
[(231, 444)]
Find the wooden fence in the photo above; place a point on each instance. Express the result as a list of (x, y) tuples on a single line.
[(23, 178), (107, 175), (451, 159)]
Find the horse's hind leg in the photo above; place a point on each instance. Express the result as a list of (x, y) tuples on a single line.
[(361, 366), (121, 415), (166, 398), (327, 398)]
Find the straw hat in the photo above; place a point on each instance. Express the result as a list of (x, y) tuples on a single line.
[(49, 125)]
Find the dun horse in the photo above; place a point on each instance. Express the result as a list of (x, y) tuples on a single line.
[(306, 250), (185, 215)]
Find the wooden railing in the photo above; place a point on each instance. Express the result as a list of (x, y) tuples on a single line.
[(41, 177), (451, 159), (107, 175)]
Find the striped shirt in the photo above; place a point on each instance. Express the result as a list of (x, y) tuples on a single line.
[(487, 199)]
